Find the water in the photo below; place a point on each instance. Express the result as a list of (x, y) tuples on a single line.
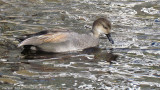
[(133, 63)]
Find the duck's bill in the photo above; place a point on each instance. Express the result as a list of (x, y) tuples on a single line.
[(110, 38)]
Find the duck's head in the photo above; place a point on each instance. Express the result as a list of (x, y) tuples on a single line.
[(102, 26)]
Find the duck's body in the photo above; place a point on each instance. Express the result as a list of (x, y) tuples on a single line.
[(64, 41)]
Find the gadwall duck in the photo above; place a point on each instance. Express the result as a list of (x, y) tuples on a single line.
[(66, 41)]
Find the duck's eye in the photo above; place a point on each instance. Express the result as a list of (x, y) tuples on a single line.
[(105, 27)]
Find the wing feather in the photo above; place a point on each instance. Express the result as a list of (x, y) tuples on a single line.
[(47, 38)]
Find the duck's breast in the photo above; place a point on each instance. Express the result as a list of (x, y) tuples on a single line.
[(82, 41)]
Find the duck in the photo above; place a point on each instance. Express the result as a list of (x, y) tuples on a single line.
[(58, 41)]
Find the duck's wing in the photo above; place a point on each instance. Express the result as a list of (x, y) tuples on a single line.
[(45, 38), (22, 38)]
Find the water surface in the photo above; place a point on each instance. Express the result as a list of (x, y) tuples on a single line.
[(133, 62)]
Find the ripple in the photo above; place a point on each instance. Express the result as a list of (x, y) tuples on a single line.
[(133, 63)]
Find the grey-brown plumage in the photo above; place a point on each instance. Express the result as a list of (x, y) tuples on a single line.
[(64, 41)]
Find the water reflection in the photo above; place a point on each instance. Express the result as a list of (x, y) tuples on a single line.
[(109, 56)]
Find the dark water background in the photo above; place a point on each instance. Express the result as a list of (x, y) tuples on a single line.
[(135, 54)]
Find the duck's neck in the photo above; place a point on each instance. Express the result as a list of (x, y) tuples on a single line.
[(95, 33)]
